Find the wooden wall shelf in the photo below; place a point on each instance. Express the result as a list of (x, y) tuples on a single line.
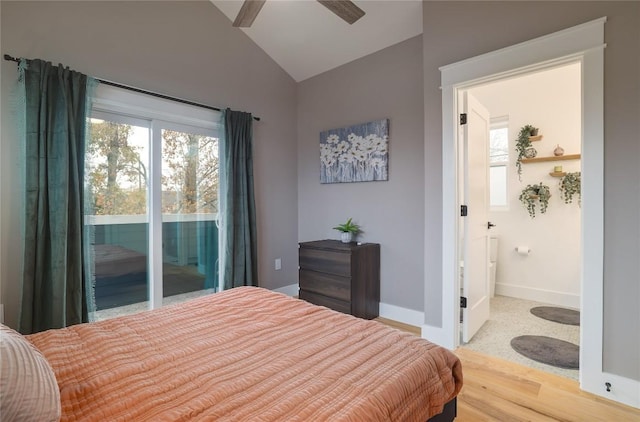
[(535, 138), (559, 158), (557, 173)]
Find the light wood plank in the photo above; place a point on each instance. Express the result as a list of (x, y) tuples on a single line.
[(400, 326), (554, 158), (498, 390), (495, 381)]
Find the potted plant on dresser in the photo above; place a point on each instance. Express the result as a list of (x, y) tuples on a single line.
[(348, 230)]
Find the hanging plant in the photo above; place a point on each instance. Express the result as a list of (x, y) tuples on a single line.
[(523, 143), (570, 186), (533, 194)]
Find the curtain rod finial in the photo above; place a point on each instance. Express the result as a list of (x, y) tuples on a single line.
[(11, 58)]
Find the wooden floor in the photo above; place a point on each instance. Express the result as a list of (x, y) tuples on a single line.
[(498, 390)]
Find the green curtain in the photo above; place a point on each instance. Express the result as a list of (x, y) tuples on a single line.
[(53, 291), (237, 202)]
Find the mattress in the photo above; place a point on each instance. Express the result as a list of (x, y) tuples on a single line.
[(247, 354), (115, 261)]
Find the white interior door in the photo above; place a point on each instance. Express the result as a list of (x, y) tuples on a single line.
[(475, 271)]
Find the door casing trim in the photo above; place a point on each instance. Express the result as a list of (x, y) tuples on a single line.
[(582, 43)]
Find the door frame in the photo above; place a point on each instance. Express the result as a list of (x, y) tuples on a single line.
[(582, 43)]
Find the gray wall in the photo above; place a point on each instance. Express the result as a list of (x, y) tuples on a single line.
[(2, 318), (454, 31), (386, 84), (190, 50), (185, 49)]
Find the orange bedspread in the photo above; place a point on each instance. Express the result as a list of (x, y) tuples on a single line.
[(247, 354)]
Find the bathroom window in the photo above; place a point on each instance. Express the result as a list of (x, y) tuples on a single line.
[(498, 162)]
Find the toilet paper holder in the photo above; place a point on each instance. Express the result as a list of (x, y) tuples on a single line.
[(523, 250)]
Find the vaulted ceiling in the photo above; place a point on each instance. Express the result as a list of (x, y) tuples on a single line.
[(307, 39)]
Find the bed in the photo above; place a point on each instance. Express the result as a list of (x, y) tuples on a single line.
[(115, 261), (120, 276), (248, 354)]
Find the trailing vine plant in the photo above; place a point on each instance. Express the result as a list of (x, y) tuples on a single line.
[(570, 186), (522, 143), (532, 194)]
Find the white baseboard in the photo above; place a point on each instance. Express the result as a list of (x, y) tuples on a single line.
[(623, 390), (289, 290), (438, 335), (403, 315), (393, 312), (539, 295)]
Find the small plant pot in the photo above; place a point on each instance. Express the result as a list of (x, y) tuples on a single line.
[(346, 237), (535, 196), (530, 152), (533, 132)]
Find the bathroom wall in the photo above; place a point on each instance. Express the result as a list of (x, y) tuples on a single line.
[(551, 101)]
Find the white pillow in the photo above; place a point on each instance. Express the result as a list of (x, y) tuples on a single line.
[(28, 387)]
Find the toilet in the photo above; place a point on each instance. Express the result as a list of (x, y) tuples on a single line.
[(493, 257)]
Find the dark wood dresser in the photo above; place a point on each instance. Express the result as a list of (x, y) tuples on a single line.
[(342, 276)]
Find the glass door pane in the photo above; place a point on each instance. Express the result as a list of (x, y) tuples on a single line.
[(189, 215), (116, 192)]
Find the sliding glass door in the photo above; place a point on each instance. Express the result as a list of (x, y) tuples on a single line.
[(152, 189), (189, 213), (117, 170)]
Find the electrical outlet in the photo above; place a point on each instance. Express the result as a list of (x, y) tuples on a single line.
[(278, 264)]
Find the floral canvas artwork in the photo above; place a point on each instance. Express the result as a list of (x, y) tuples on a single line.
[(357, 153)]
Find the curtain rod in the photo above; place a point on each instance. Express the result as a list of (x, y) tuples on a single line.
[(142, 91)]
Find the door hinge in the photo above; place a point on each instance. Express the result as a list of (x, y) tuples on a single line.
[(463, 210), (463, 118), (463, 302)]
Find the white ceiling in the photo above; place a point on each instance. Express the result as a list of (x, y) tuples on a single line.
[(306, 39)]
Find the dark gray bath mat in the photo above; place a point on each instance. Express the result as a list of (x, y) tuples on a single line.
[(555, 314), (551, 351)]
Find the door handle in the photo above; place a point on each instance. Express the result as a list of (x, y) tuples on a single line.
[(490, 224)]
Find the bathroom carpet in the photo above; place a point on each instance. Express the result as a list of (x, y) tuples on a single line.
[(555, 314), (551, 351)]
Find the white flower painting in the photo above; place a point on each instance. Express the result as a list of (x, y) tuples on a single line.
[(355, 154)]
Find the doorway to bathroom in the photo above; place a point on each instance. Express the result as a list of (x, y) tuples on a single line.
[(582, 43), (529, 248)]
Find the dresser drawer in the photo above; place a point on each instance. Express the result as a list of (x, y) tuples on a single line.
[(338, 263), (335, 304), (342, 276), (330, 285)]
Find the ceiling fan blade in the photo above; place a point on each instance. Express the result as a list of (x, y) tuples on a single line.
[(248, 13), (345, 9)]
